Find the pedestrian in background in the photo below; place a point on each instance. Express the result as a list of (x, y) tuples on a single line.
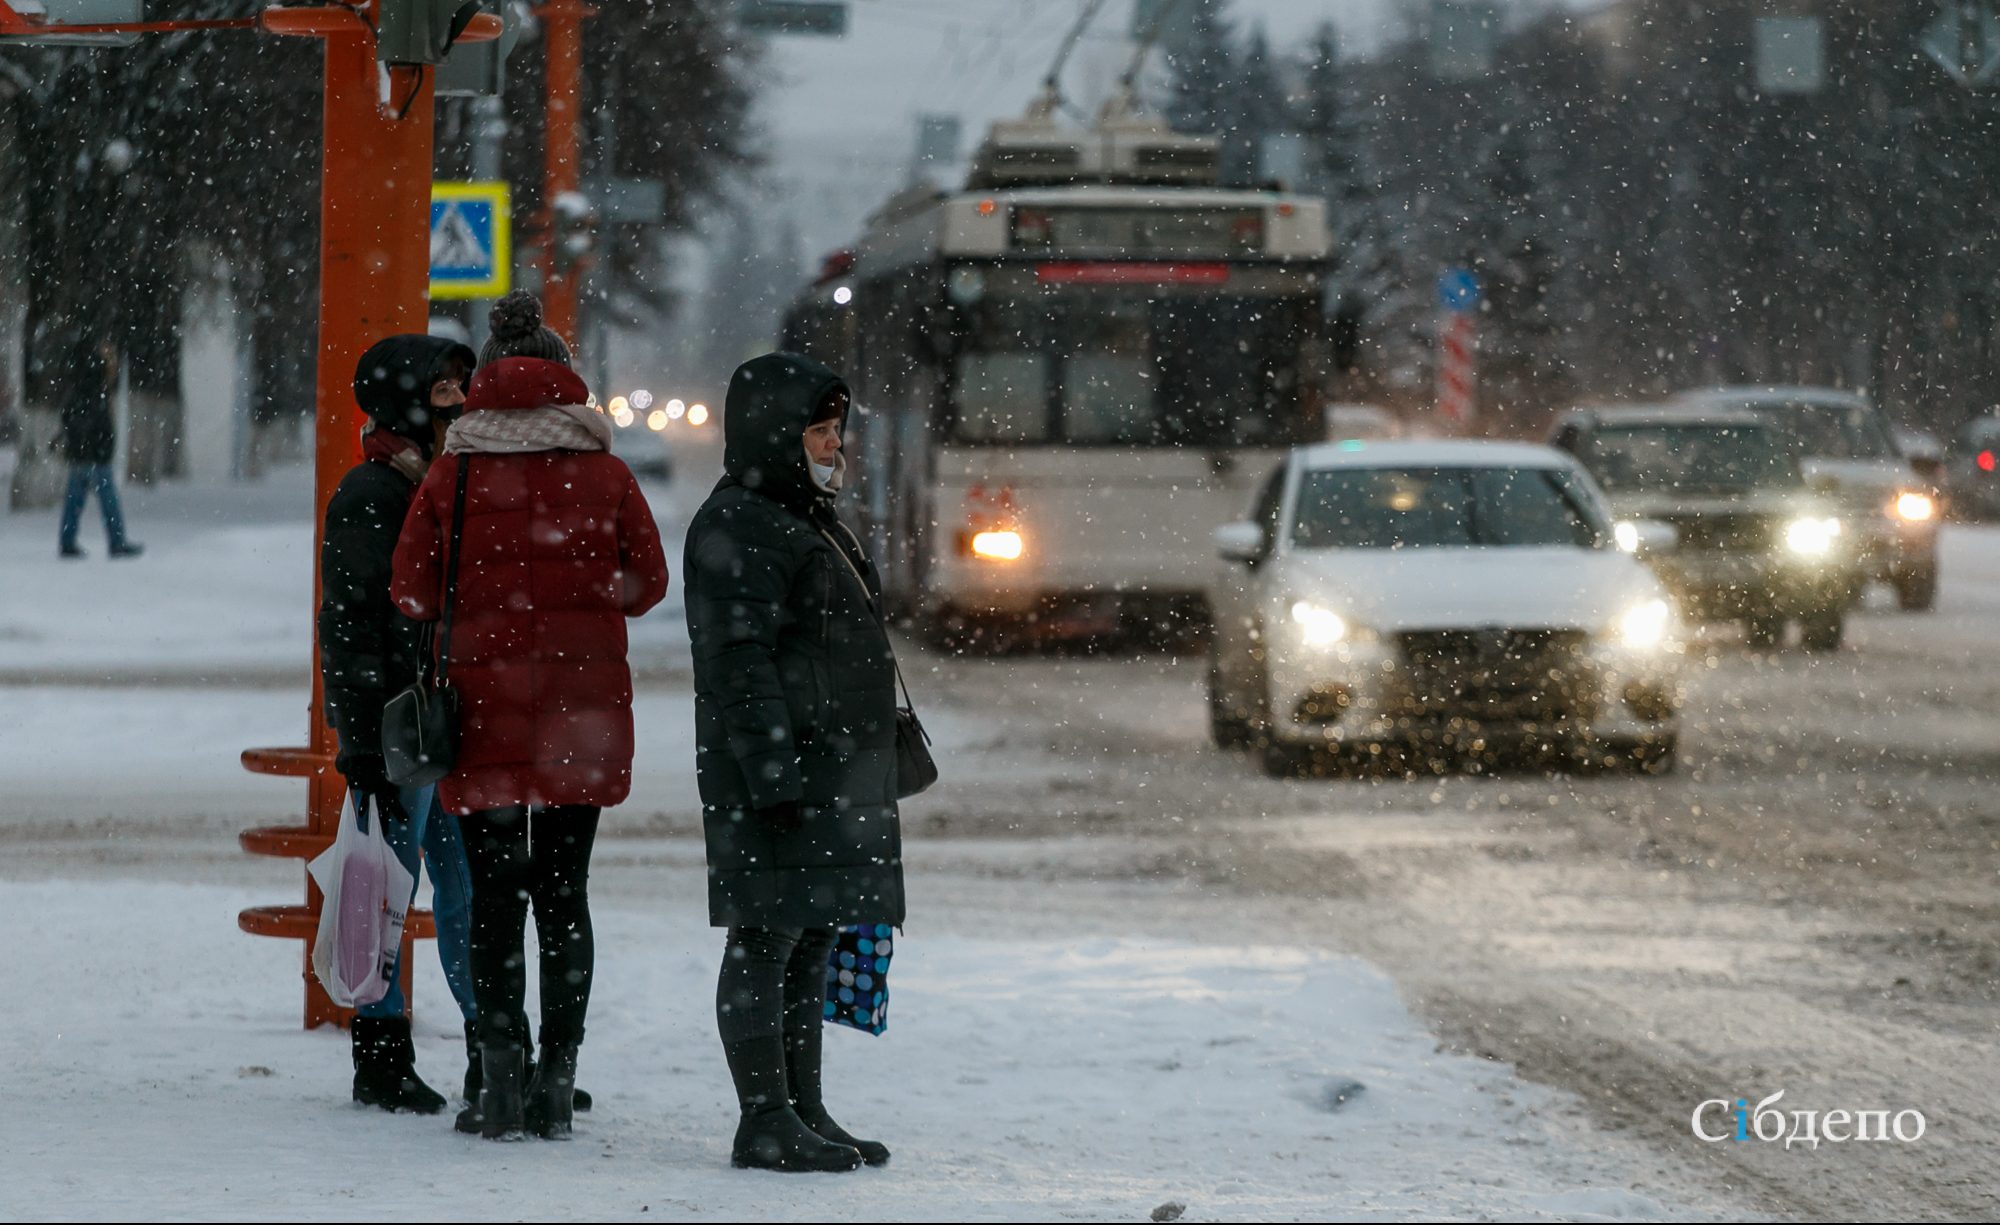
[(558, 548), (409, 387), (89, 441), (795, 717)]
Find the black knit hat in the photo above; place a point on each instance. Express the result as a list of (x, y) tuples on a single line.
[(516, 330)]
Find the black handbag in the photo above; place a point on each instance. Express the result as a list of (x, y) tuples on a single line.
[(420, 724), (916, 769)]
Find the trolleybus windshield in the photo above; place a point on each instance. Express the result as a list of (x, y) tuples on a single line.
[(1123, 367)]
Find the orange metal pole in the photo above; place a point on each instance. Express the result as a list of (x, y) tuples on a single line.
[(562, 27), (374, 282)]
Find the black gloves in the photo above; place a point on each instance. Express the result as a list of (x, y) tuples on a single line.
[(368, 776)]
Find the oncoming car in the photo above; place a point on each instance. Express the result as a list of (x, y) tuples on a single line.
[(1446, 597), (1713, 500)]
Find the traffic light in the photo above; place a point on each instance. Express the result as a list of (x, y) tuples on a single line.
[(420, 31), (575, 231)]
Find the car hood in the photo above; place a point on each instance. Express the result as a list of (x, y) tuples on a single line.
[(1862, 482), (1394, 590), (1766, 501)]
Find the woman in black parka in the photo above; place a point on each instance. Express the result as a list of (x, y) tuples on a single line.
[(795, 705)]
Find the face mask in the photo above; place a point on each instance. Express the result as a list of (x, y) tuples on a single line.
[(828, 476)]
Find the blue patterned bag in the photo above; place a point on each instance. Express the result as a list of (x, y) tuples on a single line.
[(857, 978)]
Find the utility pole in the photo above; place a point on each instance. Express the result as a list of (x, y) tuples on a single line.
[(562, 275)]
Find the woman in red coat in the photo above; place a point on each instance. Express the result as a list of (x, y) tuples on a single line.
[(558, 547)]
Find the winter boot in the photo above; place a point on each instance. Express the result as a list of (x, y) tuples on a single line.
[(770, 1135), (802, 1060), (470, 1096), (580, 1100), (385, 1072), (552, 1092), (497, 1115)]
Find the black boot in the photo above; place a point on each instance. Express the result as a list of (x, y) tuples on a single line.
[(551, 1094), (472, 1077), (385, 1071), (771, 1136), (497, 1115), (579, 1099), (802, 1061)]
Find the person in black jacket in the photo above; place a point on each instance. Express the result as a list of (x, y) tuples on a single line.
[(409, 386), (89, 441), (795, 707)]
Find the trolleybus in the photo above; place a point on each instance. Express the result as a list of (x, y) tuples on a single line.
[(1070, 373)]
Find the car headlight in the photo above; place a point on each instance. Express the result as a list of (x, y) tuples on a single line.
[(1626, 535), (1812, 537), (998, 546), (1913, 507), (1319, 625), (1644, 626)]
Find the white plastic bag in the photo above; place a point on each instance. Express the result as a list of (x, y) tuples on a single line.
[(366, 892)]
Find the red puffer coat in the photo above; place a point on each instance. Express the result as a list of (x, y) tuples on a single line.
[(559, 547)]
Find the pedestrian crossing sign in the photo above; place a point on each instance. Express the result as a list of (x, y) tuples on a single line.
[(471, 240)]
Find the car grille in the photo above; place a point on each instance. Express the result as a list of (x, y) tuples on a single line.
[(1724, 533), (1497, 675)]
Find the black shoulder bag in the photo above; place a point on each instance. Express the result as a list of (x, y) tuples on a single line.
[(916, 769), (420, 724)]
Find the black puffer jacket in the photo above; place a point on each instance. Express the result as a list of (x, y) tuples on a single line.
[(795, 688), (368, 650)]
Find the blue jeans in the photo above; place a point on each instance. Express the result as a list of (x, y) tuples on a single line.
[(434, 830), (83, 479)]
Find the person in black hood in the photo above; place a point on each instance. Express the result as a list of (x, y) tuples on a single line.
[(410, 387), (795, 711), (89, 441)]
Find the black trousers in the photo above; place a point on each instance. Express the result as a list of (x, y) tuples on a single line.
[(519, 859), (773, 982)]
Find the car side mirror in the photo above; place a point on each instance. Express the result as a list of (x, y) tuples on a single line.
[(1241, 542), (1644, 536)]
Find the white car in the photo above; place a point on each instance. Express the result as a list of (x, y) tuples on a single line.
[(1451, 597)]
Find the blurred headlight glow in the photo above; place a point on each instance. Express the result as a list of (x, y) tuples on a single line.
[(621, 414), (1915, 507), (618, 405), (1318, 625), (697, 414), (1645, 625), (998, 546), (676, 409), (1626, 535), (656, 420), (642, 399), (1812, 537)]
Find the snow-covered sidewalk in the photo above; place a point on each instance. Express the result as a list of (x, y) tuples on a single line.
[(160, 1074)]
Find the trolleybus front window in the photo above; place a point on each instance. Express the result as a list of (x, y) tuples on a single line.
[(1125, 368)]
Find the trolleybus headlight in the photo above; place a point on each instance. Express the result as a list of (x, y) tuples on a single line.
[(998, 546), (1644, 626), (1913, 507), (1811, 537), (1319, 625)]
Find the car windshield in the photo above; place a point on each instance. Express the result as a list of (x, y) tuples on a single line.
[(1694, 458), (1821, 430), (1396, 508)]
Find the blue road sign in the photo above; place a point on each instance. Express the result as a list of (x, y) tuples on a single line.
[(1458, 290), (471, 240)]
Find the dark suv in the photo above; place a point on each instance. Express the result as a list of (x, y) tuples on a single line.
[(1846, 449), (1714, 501)]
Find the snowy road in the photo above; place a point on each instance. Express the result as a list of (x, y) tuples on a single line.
[(1148, 947)]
